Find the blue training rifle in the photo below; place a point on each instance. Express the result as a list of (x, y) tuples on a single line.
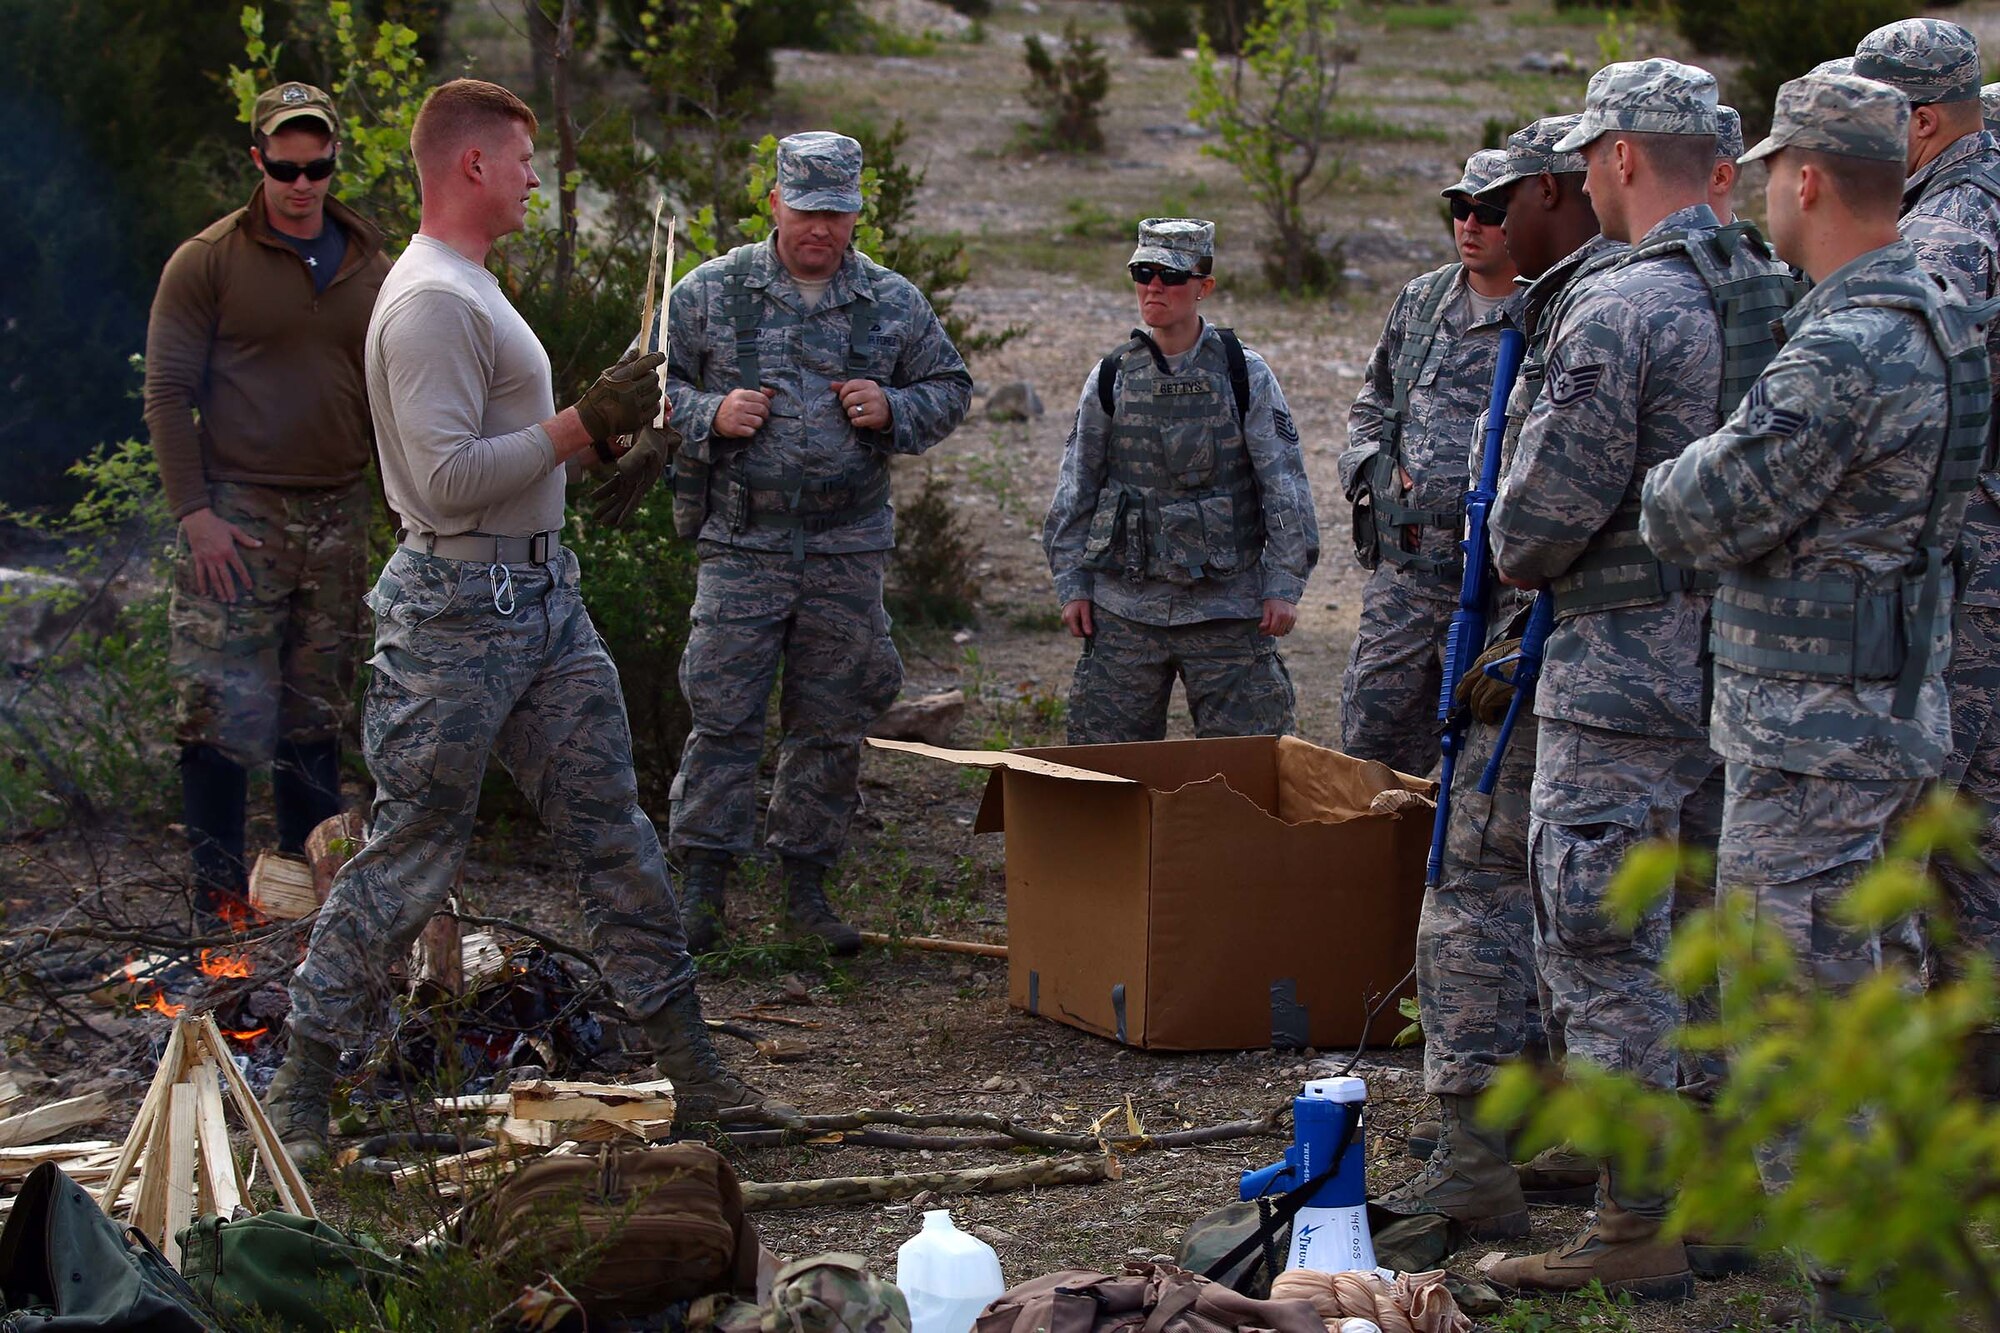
[(1466, 639)]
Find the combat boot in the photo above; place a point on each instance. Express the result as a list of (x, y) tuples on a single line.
[(807, 910), (1559, 1175), (1622, 1250), (1468, 1179), (706, 1091), (300, 1099), (704, 891)]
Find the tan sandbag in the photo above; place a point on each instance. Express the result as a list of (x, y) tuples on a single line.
[(1413, 1303), (1318, 785)]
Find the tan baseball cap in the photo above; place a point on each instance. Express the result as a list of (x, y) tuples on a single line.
[(294, 101)]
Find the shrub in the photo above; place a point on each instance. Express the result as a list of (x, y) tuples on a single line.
[(1272, 107), (1225, 23), (1068, 88), (1895, 1177), (930, 575), (1781, 39), (1162, 27)]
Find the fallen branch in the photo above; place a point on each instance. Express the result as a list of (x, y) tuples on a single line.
[(999, 1131), (874, 1138), (930, 945), (759, 1196)]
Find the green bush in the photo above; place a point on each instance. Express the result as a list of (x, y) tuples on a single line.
[(1779, 40), (1895, 1174), (1163, 27), (931, 579), (1068, 88), (1225, 23)]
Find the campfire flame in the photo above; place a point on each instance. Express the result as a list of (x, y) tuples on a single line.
[(245, 1037), (158, 1002), (215, 964)]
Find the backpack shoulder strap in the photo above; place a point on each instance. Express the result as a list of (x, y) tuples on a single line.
[(744, 316), (1107, 376), (1239, 370), (1981, 170)]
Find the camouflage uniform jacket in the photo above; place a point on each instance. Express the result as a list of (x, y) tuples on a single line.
[(1446, 400), (1824, 471), (1291, 529), (1955, 227), (800, 352), (1633, 376)]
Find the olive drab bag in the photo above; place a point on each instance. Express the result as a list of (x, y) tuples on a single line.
[(1146, 1298), (280, 1267), (655, 1226), (67, 1268)]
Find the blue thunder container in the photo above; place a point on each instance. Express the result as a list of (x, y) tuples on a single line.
[(1330, 1233)]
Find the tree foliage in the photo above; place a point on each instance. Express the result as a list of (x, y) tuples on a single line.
[(1780, 39), (1895, 1164), (1271, 107), (1068, 87)]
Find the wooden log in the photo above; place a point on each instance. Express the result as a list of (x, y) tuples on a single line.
[(329, 847), (283, 888), (46, 1122), (763, 1196), (439, 955), (994, 1131), (555, 1099), (930, 945), (480, 958)]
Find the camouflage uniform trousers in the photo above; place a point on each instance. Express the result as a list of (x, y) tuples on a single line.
[(1597, 795), (822, 618), (455, 680), (1235, 680), (1972, 893), (1792, 846), (1476, 985), (279, 662), (1389, 696)]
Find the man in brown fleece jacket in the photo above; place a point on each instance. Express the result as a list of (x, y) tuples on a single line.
[(258, 411)]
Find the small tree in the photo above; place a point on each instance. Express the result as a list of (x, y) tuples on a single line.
[(1272, 108), (1164, 27), (1780, 39), (1068, 88), (1894, 1161)]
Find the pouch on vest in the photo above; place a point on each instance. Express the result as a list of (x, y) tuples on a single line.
[(1189, 451), (66, 1268), (1178, 552), (1367, 537), (1104, 546)]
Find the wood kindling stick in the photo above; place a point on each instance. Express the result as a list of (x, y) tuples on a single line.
[(761, 1196), (931, 945)]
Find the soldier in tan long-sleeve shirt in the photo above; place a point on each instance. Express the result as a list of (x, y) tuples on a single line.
[(259, 416)]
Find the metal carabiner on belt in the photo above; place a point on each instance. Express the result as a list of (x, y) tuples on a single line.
[(503, 588)]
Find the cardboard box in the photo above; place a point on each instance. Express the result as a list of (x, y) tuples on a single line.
[(1207, 894)]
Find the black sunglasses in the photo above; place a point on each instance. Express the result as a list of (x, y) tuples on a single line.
[(286, 172), (1485, 214), (1143, 274)]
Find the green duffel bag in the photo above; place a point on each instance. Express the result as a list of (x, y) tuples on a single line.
[(67, 1268), (279, 1268)]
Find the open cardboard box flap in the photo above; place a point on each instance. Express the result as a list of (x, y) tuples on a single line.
[(1205, 894)]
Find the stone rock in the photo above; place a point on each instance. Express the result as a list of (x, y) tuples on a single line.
[(1014, 402), (917, 17), (929, 720)]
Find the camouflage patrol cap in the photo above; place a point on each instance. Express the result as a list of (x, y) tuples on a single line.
[(1531, 151), (1839, 113), (820, 172), (1837, 65), (1481, 170), (1654, 96), (1178, 243), (1728, 133), (1927, 60), (293, 101), (1989, 105)]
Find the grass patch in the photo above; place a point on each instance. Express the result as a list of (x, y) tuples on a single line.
[(1428, 18), (1359, 125), (1040, 620)]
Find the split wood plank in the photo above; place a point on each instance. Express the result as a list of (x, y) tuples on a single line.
[(557, 1099), (171, 1060), (218, 1163), (458, 1167), (57, 1118), (283, 888), (178, 1209), (482, 1103), (291, 1186)]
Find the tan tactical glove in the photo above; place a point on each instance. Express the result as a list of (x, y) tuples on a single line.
[(637, 469), (1483, 696), (625, 397)]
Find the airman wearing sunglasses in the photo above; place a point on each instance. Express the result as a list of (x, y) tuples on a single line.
[(259, 416), (1404, 468), (1182, 530)]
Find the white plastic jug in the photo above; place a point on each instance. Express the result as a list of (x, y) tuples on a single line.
[(947, 1276)]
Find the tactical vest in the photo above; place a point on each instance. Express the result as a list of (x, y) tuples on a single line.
[(1981, 171), (1617, 570), (1849, 629), (1180, 500), (748, 499), (1384, 480)]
